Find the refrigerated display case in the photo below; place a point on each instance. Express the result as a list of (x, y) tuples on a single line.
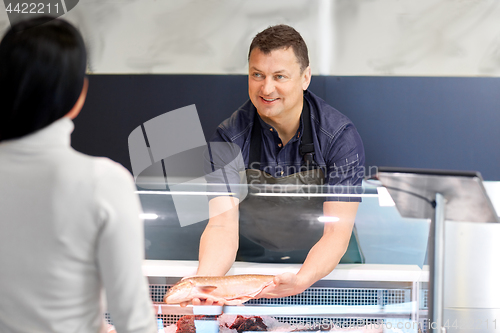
[(384, 291)]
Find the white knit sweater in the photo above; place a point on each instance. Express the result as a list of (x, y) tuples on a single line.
[(69, 226)]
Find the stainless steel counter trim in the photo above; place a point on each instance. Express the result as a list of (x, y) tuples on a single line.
[(294, 310)]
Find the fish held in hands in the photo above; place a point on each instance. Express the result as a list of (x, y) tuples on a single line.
[(231, 290)]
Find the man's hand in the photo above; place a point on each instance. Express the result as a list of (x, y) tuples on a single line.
[(283, 285)]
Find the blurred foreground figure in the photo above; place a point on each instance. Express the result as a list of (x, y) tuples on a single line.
[(69, 223)]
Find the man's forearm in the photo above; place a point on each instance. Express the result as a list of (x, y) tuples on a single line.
[(217, 251), (322, 259), (327, 252), (219, 241)]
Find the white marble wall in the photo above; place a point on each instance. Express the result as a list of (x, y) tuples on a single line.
[(345, 37)]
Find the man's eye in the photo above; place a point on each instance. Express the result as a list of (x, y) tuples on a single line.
[(280, 77), (257, 75)]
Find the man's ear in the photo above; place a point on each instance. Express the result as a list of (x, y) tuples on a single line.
[(80, 101), (306, 78)]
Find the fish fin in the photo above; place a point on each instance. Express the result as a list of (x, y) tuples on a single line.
[(206, 289), (258, 291), (253, 294), (236, 301)]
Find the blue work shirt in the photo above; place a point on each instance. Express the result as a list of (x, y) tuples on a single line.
[(338, 147)]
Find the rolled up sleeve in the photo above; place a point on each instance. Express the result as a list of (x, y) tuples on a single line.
[(346, 166)]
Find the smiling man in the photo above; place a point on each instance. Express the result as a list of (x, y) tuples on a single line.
[(287, 136)]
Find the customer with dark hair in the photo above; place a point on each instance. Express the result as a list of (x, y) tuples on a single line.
[(69, 223)]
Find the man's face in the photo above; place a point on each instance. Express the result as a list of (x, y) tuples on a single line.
[(276, 84)]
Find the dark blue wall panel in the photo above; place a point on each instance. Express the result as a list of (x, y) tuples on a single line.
[(446, 123), (424, 122), (117, 104)]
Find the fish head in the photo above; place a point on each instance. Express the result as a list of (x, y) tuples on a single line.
[(179, 292)]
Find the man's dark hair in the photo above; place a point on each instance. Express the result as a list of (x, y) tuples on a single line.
[(281, 37), (42, 70)]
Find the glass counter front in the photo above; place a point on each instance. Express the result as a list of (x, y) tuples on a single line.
[(381, 286), (382, 236)]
